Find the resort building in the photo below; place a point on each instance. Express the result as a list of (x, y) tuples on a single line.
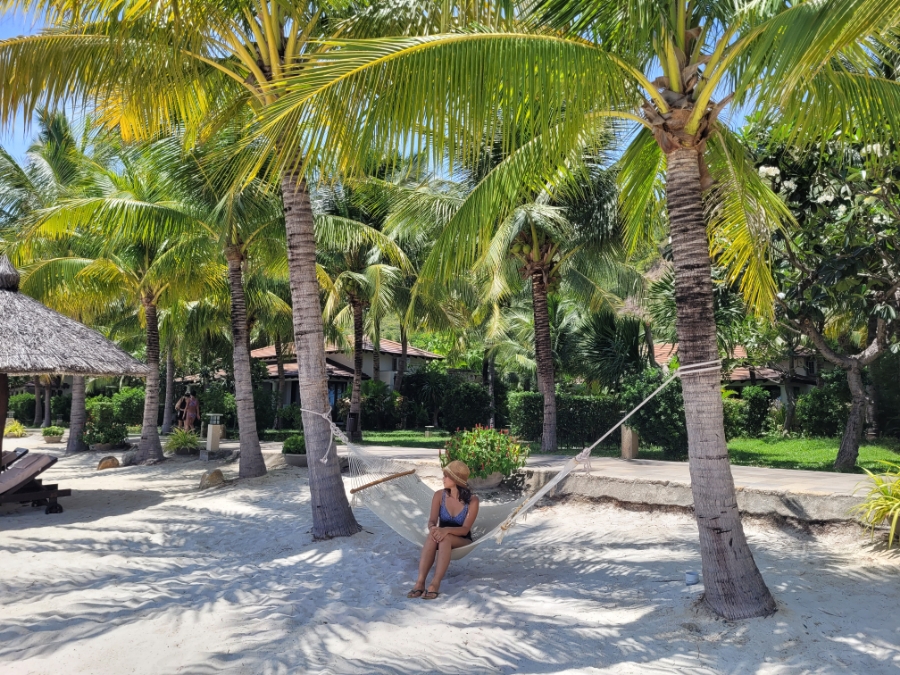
[(339, 364)]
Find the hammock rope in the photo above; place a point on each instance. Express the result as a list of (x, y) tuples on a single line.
[(399, 497)]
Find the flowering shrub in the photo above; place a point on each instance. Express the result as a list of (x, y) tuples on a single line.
[(485, 451)]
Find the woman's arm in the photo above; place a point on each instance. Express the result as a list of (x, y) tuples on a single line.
[(435, 515), (466, 527)]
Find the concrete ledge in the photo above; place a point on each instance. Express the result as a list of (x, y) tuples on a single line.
[(811, 507)]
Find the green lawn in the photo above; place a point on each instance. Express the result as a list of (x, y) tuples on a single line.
[(407, 438), (816, 454)]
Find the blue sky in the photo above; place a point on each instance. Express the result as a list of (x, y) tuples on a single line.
[(15, 139)]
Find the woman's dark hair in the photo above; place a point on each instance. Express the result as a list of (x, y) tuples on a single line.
[(465, 494)]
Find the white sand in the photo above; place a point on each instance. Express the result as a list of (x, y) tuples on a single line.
[(144, 574)]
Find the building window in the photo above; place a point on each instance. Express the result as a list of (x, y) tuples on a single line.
[(810, 366)]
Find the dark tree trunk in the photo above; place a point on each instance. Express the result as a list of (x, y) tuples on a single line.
[(734, 587), (279, 391), (492, 378), (77, 418), (354, 430), (543, 354), (849, 450), (150, 449), (169, 405), (4, 405), (872, 430), (48, 410), (331, 511), (790, 405), (376, 352), (401, 367), (38, 408), (251, 463)]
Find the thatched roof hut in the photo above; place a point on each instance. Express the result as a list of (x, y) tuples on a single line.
[(36, 340)]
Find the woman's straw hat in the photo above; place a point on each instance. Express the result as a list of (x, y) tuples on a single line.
[(458, 472)]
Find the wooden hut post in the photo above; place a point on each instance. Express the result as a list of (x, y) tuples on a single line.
[(4, 404)]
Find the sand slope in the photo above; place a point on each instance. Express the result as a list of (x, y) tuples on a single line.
[(144, 574)]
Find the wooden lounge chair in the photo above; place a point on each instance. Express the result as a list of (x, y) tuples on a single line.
[(20, 483), (11, 456)]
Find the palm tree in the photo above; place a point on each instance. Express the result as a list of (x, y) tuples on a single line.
[(128, 258), (211, 63), (353, 275), (55, 168), (812, 62), (536, 242)]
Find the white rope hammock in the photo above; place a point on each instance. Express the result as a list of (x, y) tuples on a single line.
[(398, 496)]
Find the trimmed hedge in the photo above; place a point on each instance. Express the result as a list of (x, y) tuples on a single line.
[(276, 435), (821, 412), (466, 405), (580, 420), (21, 407), (661, 421)]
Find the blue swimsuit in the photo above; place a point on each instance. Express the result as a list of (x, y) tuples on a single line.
[(453, 521)]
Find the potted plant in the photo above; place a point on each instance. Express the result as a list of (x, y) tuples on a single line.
[(182, 442), (53, 434), (14, 429), (491, 455), (294, 450)]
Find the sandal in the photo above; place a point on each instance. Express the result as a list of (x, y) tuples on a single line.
[(430, 595), (416, 593)]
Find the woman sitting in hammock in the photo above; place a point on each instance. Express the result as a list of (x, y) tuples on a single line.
[(453, 511)]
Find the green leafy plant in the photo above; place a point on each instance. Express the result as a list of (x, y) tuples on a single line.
[(294, 445), (14, 429), (882, 504), (661, 421), (758, 402), (52, 431), (129, 405), (180, 439), (735, 411), (21, 407), (102, 426), (821, 412), (486, 451)]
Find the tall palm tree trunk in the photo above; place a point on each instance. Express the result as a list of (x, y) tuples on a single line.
[(279, 387), (401, 367), (543, 355), (332, 516), (48, 392), (376, 351), (251, 463), (734, 586), (150, 449), (853, 431), (38, 408), (169, 406), (77, 418), (354, 430)]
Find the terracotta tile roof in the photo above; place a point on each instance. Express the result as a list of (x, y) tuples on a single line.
[(388, 347), (664, 351), (333, 369)]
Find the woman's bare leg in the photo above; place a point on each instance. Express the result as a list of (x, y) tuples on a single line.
[(426, 560), (450, 542)]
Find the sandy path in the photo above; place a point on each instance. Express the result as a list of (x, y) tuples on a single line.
[(144, 574)]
